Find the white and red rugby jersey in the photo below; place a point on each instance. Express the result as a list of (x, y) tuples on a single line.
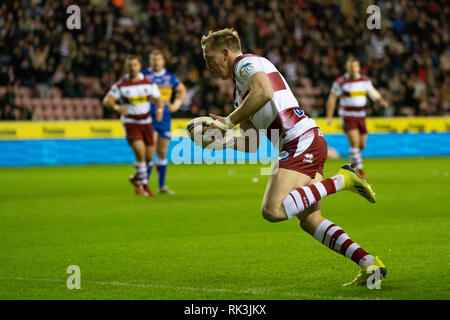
[(134, 95), (282, 112), (353, 95)]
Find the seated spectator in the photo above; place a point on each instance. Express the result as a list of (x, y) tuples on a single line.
[(70, 87), (444, 97), (8, 113), (59, 75), (9, 97), (305, 39)]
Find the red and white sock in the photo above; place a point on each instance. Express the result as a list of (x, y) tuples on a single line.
[(337, 240), (356, 158), (302, 198), (141, 172)]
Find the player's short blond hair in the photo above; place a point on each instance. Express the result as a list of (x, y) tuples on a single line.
[(225, 38), (351, 59), (156, 52)]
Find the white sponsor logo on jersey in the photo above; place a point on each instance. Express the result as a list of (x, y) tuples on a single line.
[(308, 157)]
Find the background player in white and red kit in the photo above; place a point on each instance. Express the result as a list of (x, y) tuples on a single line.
[(352, 88), (135, 92), (263, 100)]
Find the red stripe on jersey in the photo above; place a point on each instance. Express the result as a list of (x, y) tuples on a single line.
[(126, 83), (315, 192), (285, 120), (138, 116), (326, 231), (245, 95), (290, 117), (345, 245), (347, 80), (276, 81), (345, 108)]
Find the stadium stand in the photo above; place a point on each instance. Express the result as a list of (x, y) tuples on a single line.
[(48, 72), (55, 107)]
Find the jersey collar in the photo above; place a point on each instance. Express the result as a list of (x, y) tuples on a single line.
[(158, 74), (346, 75), (140, 75), (237, 59)]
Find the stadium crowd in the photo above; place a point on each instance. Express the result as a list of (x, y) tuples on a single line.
[(408, 59)]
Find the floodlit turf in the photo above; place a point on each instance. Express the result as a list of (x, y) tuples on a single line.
[(210, 241)]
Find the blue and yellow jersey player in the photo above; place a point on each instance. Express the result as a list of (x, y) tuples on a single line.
[(172, 93)]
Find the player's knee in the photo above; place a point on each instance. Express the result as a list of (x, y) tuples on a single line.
[(140, 156), (161, 155), (273, 213), (303, 222), (309, 220)]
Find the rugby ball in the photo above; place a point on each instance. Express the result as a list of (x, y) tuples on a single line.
[(212, 138), (195, 129)]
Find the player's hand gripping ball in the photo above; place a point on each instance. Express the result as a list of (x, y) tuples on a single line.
[(203, 134), (195, 129)]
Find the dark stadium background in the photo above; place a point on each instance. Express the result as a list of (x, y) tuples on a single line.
[(309, 41)]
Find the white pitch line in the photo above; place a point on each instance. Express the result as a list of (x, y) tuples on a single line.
[(165, 286)]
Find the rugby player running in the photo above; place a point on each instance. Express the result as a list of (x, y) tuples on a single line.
[(264, 101)]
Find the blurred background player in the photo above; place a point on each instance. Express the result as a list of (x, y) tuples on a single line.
[(352, 89), (171, 90), (135, 92)]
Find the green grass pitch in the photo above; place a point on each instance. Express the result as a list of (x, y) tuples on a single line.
[(210, 241)]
